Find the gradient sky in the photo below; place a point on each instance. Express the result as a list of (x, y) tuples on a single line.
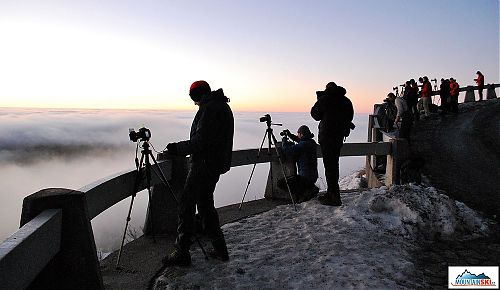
[(266, 55)]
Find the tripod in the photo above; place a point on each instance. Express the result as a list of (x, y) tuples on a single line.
[(144, 160), (271, 141)]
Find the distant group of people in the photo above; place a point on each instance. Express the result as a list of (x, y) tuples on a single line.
[(402, 110), (210, 146)]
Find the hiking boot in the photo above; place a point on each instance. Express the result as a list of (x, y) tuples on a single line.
[(177, 258), (322, 197), (331, 202), (219, 251), (331, 199)]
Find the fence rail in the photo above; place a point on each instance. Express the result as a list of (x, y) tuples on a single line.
[(24, 254), (43, 234)]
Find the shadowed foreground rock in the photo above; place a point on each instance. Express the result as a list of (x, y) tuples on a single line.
[(461, 154)]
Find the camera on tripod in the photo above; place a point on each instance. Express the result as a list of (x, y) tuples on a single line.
[(143, 134), (266, 118)]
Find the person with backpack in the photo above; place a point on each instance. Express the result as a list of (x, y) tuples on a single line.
[(334, 112)]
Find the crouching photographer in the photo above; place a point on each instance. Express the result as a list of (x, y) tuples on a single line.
[(301, 149)]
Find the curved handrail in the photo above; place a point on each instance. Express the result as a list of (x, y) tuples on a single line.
[(37, 241), (105, 193)]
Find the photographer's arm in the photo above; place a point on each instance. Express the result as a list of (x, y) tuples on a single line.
[(293, 137), (201, 138)]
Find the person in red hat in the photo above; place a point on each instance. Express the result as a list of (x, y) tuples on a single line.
[(210, 146)]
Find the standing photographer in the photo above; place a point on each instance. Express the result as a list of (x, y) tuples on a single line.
[(304, 153), (480, 84), (335, 113), (210, 146)]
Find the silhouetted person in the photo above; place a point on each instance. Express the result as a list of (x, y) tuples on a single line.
[(210, 146), (426, 94), (480, 84), (335, 113), (302, 149), (454, 86), (391, 111), (412, 99), (444, 93)]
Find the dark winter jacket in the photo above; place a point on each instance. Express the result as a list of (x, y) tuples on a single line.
[(444, 89), (335, 113), (211, 138), (304, 153)]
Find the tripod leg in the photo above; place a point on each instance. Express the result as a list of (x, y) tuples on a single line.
[(253, 169), (162, 177), (283, 171), (125, 232), (136, 184), (148, 184), (248, 184), (270, 135)]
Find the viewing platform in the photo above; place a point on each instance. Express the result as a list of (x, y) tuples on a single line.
[(55, 246)]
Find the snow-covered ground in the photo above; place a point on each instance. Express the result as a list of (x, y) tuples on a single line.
[(369, 242)]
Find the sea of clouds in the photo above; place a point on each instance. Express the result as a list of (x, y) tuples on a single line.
[(43, 148)]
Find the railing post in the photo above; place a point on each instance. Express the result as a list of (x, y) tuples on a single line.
[(399, 154), (490, 93), (76, 265), (163, 205), (275, 174), (469, 95)]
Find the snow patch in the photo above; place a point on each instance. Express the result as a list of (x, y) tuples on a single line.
[(368, 242)]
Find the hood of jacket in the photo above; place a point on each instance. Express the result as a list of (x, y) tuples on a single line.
[(217, 95)]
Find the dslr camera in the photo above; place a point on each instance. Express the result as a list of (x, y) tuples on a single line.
[(143, 134), (285, 133), (266, 118)]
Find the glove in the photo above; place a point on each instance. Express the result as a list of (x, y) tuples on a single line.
[(172, 148)]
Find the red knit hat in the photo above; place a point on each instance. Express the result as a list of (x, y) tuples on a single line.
[(198, 89)]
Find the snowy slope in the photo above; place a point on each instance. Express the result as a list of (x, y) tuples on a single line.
[(367, 243)]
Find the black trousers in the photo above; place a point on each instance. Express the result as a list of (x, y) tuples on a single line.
[(331, 152), (198, 193), (299, 186), (406, 124), (454, 103)]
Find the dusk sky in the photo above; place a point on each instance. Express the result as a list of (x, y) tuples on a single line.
[(266, 55)]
